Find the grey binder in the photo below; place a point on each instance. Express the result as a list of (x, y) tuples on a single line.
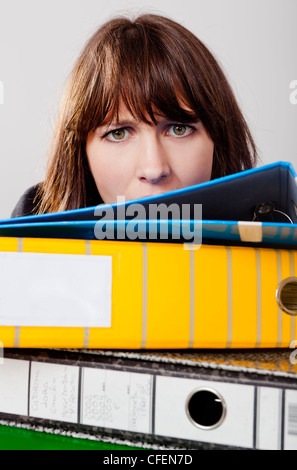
[(238, 399)]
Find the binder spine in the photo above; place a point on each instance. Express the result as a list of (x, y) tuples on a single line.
[(169, 406), (163, 296)]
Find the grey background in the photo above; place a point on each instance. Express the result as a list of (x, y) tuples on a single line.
[(254, 40)]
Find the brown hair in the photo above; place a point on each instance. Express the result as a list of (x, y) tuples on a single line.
[(152, 64)]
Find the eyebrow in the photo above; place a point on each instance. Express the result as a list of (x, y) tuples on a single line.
[(122, 123), (131, 122)]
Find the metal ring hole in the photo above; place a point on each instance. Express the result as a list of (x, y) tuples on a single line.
[(286, 295), (206, 408)]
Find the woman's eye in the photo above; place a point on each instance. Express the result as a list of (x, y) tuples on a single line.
[(179, 130), (117, 134)]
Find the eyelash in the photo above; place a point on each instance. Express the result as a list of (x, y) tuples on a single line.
[(191, 129), (105, 136), (177, 124)]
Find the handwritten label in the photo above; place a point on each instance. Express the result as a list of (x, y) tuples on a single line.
[(54, 392), (116, 399)]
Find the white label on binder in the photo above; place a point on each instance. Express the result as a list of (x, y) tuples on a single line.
[(41, 289), (290, 425), (250, 231), (116, 399), (171, 417), (14, 379), (140, 402), (54, 392), (269, 418)]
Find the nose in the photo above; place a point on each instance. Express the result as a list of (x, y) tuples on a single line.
[(153, 165)]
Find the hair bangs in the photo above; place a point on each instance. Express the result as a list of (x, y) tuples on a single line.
[(148, 83)]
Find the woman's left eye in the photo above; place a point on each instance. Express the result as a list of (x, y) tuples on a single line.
[(117, 135), (179, 130)]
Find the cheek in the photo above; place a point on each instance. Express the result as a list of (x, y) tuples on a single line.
[(197, 162), (91, 151), (104, 159), (205, 157), (108, 170), (99, 168), (98, 160)]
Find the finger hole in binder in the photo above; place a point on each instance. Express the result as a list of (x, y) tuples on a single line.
[(266, 211), (206, 408), (286, 295)]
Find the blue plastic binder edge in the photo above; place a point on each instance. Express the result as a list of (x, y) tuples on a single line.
[(211, 231), (84, 212)]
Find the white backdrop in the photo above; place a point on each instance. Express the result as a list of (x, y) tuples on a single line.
[(254, 40)]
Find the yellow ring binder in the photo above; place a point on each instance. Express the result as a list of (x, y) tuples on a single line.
[(162, 296)]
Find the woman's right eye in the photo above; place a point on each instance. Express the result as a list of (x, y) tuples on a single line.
[(117, 135)]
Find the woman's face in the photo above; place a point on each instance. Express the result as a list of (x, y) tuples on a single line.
[(131, 159)]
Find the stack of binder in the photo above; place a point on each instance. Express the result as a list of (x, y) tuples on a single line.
[(182, 334)]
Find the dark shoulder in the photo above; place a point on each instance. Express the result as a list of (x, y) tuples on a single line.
[(25, 205)]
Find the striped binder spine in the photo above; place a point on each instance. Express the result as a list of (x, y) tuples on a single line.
[(166, 296)]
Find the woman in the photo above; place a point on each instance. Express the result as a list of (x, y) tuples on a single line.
[(147, 110)]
